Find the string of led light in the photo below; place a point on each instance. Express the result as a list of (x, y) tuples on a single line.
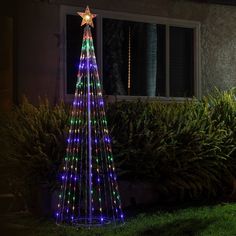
[(89, 191)]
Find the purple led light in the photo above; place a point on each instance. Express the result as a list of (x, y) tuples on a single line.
[(88, 147)]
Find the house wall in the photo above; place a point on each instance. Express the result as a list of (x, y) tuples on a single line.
[(38, 40), (6, 65), (6, 56)]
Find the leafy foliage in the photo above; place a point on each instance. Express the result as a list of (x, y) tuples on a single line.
[(187, 150), (32, 143)]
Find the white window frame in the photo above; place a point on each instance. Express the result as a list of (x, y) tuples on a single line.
[(195, 25)]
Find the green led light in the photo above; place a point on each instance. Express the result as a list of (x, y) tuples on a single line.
[(88, 170)]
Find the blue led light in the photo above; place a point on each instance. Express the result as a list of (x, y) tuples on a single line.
[(88, 171)]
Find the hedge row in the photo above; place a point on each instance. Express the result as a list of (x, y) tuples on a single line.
[(187, 150)]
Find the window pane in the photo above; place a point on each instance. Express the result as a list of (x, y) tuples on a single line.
[(147, 58), (74, 37), (161, 61), (181, 62), (115, 56)]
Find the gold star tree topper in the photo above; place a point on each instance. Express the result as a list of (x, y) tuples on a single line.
[(87, 17)]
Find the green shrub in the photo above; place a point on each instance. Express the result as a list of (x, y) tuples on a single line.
[(32, 146), (187, 150)]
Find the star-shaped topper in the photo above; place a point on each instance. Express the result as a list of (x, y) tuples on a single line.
[(87, 17)]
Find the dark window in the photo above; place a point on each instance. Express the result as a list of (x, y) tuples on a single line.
[(144, 75), (74, 37), (134, 58), (181, 62)]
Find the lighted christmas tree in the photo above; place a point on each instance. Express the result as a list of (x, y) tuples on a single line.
[(89, 192)]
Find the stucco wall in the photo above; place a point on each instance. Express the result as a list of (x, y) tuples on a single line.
[(38, 49), (219, 48)]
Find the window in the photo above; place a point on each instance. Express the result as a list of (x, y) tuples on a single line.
[(133, 56), (181, 62), (136, 55)]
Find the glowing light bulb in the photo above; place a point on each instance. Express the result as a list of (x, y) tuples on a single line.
[(87, 17)]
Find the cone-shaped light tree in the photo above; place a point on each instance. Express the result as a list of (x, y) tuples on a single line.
[(89, 192)]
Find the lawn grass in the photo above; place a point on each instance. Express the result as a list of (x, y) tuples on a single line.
[(219, 220)]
